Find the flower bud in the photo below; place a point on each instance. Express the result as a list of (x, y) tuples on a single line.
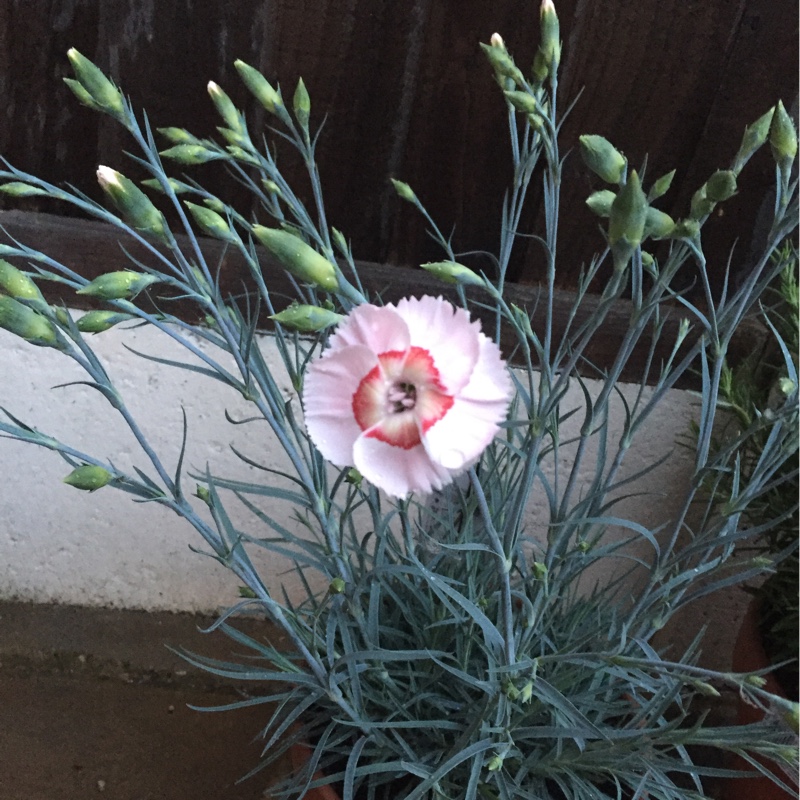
[(495, 763), (307, 319), (211, 222), (539, 68), (602, 158), (96, 85), (701, 206), (539, 570), (660, 187), (99, 321), (89, 478), (496, 40), (600, 202), (523, 101), (20, 189), (225, 107), (721, 185), (271, 186), (134, 205), (453, 272), (354, 477), (84, 98), (177, 186), (337, 586), (259, 87), (404, 191), (301, 103), (705, 689), (235, 138), (203, 494), (628, 213), (503, 65), (339, 242), (178, 136), (526, 694), (298, 258), (782, 137), (657, 224), (754, 137), (122, 285), (550, 46), (686, 229), (24, 322), (17, 284), (191, 154), (756, 680)]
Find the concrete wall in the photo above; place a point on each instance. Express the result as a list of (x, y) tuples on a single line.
[(58, 544)]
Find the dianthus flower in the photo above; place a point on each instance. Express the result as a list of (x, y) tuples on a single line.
[(410, 394)]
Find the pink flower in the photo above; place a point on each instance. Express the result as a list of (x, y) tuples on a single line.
[(410, 395)]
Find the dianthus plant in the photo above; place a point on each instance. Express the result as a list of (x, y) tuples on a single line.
[(447, 647)]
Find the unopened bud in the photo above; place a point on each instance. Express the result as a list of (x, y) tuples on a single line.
[(523, 101), (211, 222), (782, 137), (190, 154), (134, 205), (307, 319), (203, 494), (259, 87), (20, 189), (178, 136), (24, 322), (100, 320), (271, 186), (756, 680), (353, 477), (453, 272), (225, 107), (98, 87), (84, 98), (701, 206), (526, 694), (661, 186), (298, 258), (754, 137), (122, 285), (602, 158), (539, 569), (301, 103), (496, 40), (600, 202), (628, 213), (339, 242), (721, 185), (247, 593), (89, 478), (705, 689), (177, 186), (495, 763), (337, 586), (510, 691), (657, 224), (17, 284), (686, 229), (404, 191), (503, 65), (550, 46)]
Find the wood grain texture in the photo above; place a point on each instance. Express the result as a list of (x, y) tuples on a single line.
[(405, 92), (93, 248)]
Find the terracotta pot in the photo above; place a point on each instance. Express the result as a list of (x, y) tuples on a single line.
[(749, 656)]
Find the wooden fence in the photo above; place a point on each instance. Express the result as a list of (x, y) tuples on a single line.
[(406, 92)]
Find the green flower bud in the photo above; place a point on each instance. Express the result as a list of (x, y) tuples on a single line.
[(657, 224), (271, 187), (203, 494), (628, 213), (706, 689), (539, 68), (17, 284), (298, 258), (20, 189), (84, 98), (353, 477), (121, 285), (225, 107), (510, 691), (453, 272), (340, 242), (247, 593), (97, 86), (523, 101), (191, 154), (503, 65), (721, 185), (232, 137), (686, 229), (337, 586), (178, 136), (754, 137), (763, 562), (756, 680), (782, 137), (526, 694), (259, 87), (134, 205), (660, 187), (550, 46), (89, 477), (301, 103), (539, 569), (404, 191), (177, 186), (307, 319), (240, 154), (215, 204), (99, 321), (24, 322), (701, 206), (495, 763), (648, 263), (602, 158), (211, 222), (600, 202)]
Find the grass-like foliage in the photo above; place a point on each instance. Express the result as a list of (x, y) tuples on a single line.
[(452, 651)]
